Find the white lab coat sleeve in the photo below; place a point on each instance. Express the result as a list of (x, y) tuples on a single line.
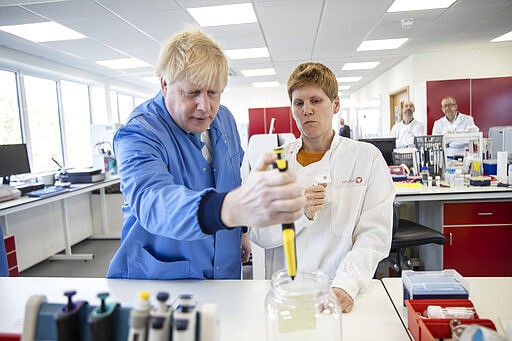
[(372, 234)]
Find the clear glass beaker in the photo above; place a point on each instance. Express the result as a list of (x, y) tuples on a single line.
[(302, 309)]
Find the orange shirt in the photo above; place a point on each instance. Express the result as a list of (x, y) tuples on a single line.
[(307, 158)]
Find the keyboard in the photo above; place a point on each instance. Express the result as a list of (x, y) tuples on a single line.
[(47, 191)]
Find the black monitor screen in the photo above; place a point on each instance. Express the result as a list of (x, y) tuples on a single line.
[(13, 159), (385, 145)]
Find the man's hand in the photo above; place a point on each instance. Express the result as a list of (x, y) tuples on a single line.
[(245, 248), (346, 302), (315, 196), (266, 198)]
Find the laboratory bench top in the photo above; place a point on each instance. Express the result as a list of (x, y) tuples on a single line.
[(491, 297), (26, 202), (240, 303), (450, 193)]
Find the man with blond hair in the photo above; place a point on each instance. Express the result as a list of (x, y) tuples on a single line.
[(179, 157)]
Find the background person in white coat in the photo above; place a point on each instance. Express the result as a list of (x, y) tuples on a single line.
[(347, 223), (407, 128), (453, 121)]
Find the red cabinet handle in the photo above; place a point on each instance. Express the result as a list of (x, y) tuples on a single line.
[(451, 239), (484, 213)]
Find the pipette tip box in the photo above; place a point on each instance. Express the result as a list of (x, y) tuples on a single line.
[(445, 284)]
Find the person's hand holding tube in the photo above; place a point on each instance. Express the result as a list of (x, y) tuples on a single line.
[(315, 196), (267, 197)]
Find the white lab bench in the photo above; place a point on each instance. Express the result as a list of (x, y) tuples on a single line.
[(241, 303), (45, 226), (491, 297)]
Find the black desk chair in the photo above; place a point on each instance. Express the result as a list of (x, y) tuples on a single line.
[(407, 234)]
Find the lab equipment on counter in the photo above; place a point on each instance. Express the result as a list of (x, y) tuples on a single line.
[(302, 309), (449, 284), (288, 229), (8, 192), (430, 154), (430, 328), (501, 140), (139, 318), (185, 320), (46, 192)]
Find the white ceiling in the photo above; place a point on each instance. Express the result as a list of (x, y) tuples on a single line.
[(328, 31)]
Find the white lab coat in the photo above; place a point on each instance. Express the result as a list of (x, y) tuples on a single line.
[(352, 232), (461, 124), (405, 133)]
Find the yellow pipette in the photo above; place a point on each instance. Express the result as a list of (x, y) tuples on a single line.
[(288, 229)]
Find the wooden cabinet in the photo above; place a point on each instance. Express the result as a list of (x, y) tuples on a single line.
[(478, 238)]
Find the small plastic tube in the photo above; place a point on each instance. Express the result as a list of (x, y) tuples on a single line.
[(435, 311)]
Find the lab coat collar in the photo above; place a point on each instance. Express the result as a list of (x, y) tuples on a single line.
[(335, 143)]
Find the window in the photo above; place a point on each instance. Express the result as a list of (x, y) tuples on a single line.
[(77, 120), (43, 123), (125, 107), (10, 128)]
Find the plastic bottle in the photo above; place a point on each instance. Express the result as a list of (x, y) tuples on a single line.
[(424, 174), (449, 177), (435, 311), (458, 181), (139, 318)]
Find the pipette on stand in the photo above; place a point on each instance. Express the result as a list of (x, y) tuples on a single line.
[(288, 229)]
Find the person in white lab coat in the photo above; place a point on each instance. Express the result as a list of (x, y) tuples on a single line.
[(407, 128), (347, 223), (453, 121)]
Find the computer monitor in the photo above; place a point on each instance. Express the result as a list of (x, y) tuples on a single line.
[(13, 160), (386, 145)]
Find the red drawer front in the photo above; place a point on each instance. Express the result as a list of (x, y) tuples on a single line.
[(9, 244), (11, 259), (484, 213), (9, 337)]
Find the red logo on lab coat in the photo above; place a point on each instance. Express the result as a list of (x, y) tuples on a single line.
[(359, 180)]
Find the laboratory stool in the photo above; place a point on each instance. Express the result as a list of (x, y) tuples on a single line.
[(406, 234)]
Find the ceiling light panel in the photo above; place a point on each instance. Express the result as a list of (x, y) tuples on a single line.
[(123, 63), (223, 15), (418, 5), (265, 84), (381, 44), (505, 37), (259, 72), (259, 52), (348, 79), (43, 32), (359, 66)]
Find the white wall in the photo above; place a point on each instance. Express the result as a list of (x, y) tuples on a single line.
[(240, 100), (417, 69)]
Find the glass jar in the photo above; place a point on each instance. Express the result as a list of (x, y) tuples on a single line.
[(302, 309)]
